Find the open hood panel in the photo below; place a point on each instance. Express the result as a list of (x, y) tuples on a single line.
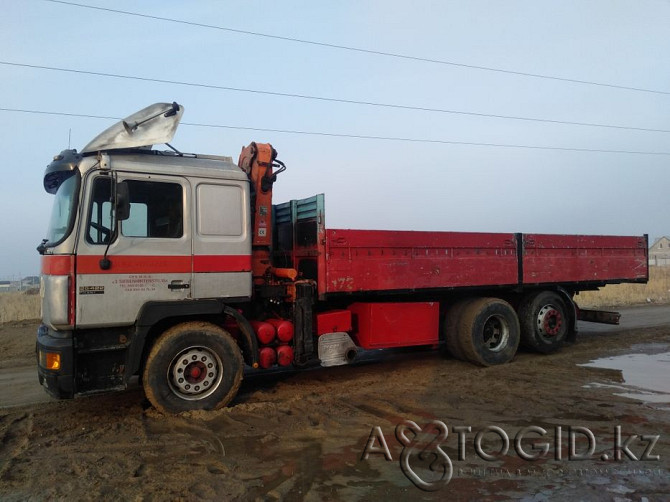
[(155, 124)]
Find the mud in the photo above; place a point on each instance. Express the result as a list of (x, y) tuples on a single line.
[(301, 436)]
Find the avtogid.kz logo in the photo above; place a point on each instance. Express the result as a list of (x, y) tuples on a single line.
[(426, 464)]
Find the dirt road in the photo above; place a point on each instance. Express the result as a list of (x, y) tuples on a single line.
[(301, 436)]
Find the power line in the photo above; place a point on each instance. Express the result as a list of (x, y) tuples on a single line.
[(60, 114), (362, 50), (331, 100), (356, 136)]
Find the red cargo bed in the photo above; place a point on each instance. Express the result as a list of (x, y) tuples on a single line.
[(351, 261), (374, 260)]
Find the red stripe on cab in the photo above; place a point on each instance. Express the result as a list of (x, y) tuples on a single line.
[(57, 264), (222, 263), (141, 264)]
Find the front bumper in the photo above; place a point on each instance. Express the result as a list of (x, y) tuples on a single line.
[(58, 383)]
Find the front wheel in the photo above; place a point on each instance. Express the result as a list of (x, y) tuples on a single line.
[(193, 366)]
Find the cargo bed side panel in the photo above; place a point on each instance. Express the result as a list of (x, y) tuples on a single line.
[(378, 260), (583, 259)]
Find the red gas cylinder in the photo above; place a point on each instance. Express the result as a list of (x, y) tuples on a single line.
[(284, 355), (264, 331), (284, 329), (267, 357)]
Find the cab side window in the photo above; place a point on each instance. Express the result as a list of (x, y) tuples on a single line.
[(156, 211)]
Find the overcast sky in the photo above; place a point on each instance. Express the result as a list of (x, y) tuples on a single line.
[(368, 183)]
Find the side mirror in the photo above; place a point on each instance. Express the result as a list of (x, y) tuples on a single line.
[(122, 206)]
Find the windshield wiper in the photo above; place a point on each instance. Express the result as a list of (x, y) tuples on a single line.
[(42, 247)]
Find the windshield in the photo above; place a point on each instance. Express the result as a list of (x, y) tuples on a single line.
[(63, 209)]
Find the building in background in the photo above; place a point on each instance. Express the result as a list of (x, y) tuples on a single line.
[(659, 252), (29, 283)]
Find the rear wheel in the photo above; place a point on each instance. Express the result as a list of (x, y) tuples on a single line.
[(488, 331), (544, 321), (193, 366), (451, 320)]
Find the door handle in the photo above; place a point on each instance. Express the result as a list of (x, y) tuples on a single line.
[(174, 285)]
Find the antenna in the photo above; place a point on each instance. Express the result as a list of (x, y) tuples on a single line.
[(69, 136)]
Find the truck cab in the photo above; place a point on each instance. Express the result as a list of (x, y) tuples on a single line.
[(185, 236)]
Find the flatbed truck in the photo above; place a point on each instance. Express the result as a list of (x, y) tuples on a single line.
[(179, 269)]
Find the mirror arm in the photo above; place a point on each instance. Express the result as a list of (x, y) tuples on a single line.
[(105, 263)]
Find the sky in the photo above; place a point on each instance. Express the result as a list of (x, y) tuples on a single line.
[(369, 183)]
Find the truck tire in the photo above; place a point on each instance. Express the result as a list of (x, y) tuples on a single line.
[(451, 321), (193, 366), (488, 331), (544, 321)]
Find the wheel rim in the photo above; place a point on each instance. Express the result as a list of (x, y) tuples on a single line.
[(549, 321), (195, 373), (496, 333)]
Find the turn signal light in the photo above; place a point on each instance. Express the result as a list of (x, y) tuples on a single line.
[(53, 361)]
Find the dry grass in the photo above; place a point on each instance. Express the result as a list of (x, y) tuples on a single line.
[(19, 307), (657, 290)]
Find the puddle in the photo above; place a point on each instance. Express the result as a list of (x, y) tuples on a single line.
[(643, 376)]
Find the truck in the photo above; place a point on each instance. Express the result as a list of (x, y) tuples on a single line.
[(179, 270)]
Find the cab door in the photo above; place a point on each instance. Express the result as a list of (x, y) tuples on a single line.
[(150, 258)]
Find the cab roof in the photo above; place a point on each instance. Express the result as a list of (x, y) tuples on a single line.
[(169, 163)]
